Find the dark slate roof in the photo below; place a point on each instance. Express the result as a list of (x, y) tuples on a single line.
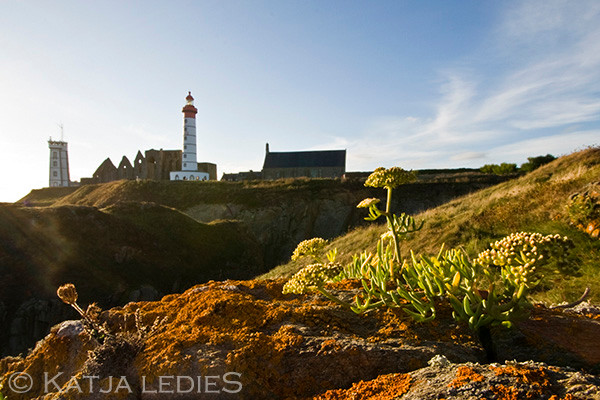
[(305, 159)]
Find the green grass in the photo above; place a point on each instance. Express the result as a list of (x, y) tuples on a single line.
[(534, 202)]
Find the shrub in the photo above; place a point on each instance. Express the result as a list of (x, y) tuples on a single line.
[(502, 169), (536, 162)]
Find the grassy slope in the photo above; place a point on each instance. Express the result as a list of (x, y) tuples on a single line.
[(46, 196), (534, 202), (184, 194)]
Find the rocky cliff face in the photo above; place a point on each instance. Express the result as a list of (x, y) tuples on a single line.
[(278, 225)]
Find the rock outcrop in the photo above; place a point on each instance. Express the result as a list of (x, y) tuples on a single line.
[(246, 340)]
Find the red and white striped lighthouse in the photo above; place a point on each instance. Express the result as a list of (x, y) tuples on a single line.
[(189, 161)]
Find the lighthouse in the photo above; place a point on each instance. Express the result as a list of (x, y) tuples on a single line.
[(59, 163), (189, 162)]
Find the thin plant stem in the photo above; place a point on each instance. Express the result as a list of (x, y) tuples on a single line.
[(392, 227)]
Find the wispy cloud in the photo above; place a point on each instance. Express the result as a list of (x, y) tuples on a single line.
[(546, 78)]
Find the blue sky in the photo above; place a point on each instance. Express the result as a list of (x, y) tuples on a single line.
[(419, 84)]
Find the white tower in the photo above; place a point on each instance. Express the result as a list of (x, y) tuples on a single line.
[(189, 162), (59, 163)]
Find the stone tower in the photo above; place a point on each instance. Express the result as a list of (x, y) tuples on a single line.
[(59, 163)]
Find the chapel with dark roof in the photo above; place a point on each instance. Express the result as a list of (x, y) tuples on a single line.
[(311, 164)]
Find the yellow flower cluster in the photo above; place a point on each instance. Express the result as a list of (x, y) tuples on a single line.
[(366, 203), (311, 277), (309, 247), (518, 253), (390, 178)]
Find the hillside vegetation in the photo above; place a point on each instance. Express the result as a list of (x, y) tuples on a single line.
[(185, 194), (534, 202)]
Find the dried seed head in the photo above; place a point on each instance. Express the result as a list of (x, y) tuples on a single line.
[(93, 312), (67, 293)]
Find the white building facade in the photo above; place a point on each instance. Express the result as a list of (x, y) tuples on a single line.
[(59, 163), (189, 163)]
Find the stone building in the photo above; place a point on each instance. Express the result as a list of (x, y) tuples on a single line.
[(311, 164)]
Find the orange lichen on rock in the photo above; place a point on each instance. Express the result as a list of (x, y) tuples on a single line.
[(345, 284), (465, 375), (384, 387), (568, 396), (282, 346), (531, 376), (535, 382), (503, 392)]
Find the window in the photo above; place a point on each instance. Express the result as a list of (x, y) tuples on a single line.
[(191, 177), (185, 164), (54, 163), (184, 155), (54, 173), (54, 154), (185, 146)]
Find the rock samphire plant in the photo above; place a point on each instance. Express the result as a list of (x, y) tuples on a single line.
[(68, 294), (489, 290), (114, 348)]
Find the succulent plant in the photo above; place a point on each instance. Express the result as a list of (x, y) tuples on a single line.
[(313, 278)]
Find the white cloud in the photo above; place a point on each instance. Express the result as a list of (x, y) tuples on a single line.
[(559, 144), (524, 107), (468, 155)]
